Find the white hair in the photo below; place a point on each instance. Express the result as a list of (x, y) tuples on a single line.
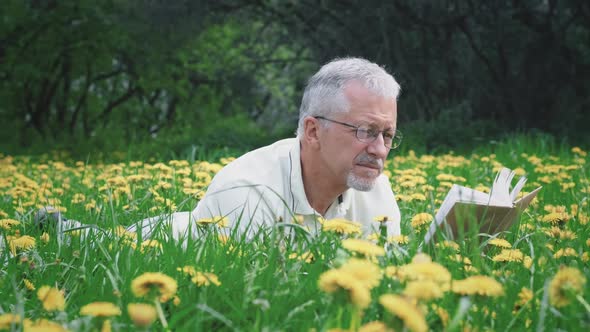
[(324, 93)]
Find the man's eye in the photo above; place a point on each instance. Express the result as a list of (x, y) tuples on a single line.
[(372, 132), (388, 134), (363, 133)]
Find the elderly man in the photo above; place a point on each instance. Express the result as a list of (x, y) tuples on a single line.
[(332, 169)]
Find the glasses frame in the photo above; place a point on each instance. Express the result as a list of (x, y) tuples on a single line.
[(395, 141)]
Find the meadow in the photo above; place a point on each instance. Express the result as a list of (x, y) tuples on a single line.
[(101, 277)]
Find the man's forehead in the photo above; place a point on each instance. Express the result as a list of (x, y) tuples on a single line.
[(357, 90)]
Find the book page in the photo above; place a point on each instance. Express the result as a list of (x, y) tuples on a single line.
[(500, 192), (517, 188), (480, 218)]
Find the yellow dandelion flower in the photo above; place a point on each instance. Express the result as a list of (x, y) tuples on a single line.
[(442, 314), (555, 208), (391, 272), (21, 243), (7, 224), (44, 237), (306, 257), (205, 279), (470, 269), (381, 219), (579, 151), (191, 271), (367, 272), (100, 309), (363, 247), (44, 325), (411, 316), (447, 244), (7, 321), (460, 259), (446, 177), (500, 243), (78, 198), (150, 244), (334, 281), (562, 234), (176, 300), (408, 184), (509, 255), (527, 262), (478, 285), (74, 233), (524, 297), (421, 219), (219, 221), (29, 285), (163, 286), (142, 314), (585, 257), (341, 226), (375, 326), (418, 197), (556, 218), (425, 271), (423, 290), (566, 282), (298, 219), (122, 232), (502, 273), (565, 252), (399, 239), (524, 227), (51, 298)]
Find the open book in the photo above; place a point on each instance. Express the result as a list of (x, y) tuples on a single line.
[(467, 210)]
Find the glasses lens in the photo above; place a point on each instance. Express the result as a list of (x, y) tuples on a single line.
[(397, 139), (366, 135), (390, 139)]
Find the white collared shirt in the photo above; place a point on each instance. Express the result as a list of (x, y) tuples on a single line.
[(266, 185)]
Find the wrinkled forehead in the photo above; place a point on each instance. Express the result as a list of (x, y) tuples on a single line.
[(370, 108)]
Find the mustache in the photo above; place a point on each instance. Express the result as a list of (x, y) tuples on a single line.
[(368, 160)]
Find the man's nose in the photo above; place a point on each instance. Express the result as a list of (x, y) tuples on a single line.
[(377, 148)]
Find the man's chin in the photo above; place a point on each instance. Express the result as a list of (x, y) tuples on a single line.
[(361, 183)]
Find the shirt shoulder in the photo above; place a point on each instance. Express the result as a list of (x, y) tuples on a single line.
[(263, 166)]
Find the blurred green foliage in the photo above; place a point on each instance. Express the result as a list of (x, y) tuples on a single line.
[(171, 78)]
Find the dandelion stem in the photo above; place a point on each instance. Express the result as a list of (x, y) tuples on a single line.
[(161, 313), (339, 316), (355, 319), (584, 303), (382, 234)]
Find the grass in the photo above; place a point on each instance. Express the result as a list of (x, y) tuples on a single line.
[(272, 282)]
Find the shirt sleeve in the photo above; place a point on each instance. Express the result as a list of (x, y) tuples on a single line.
[(247, 207)]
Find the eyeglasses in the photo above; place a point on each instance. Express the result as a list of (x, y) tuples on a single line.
[(391, 138)]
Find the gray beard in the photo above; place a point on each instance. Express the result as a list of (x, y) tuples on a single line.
[(360, 184), (363, 184)]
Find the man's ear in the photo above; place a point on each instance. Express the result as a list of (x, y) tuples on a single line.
[(311, 130)]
